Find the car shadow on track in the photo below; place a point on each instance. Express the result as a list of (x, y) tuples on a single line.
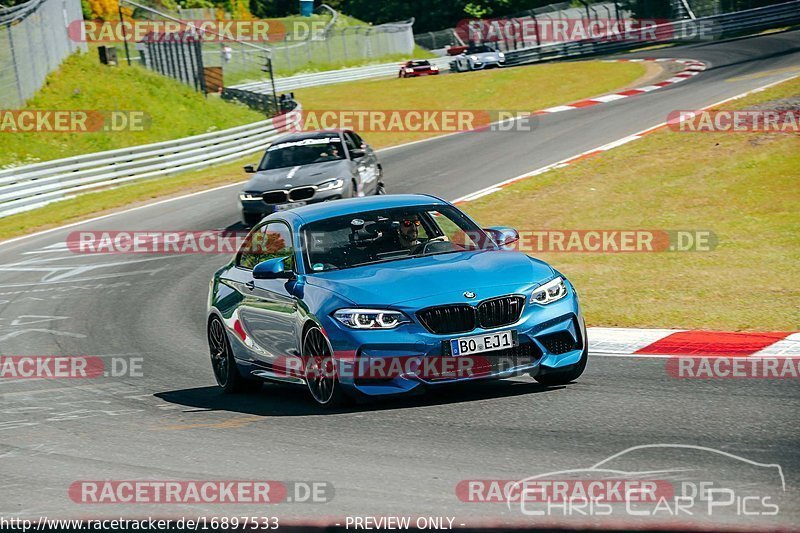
[(287, 400)]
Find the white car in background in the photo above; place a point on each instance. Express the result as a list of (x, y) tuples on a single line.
[(478, 57)]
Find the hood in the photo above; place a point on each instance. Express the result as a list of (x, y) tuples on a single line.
[(291, 177), (436, 279), (487, 56)]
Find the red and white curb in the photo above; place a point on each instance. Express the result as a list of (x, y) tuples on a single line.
[(691, 68), (629, 342)]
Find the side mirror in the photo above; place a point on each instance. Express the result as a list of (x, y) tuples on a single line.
[(503, 236), (250, 169), (274, 268), (358, 153)]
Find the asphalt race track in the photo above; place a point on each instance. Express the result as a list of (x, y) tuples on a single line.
[(401, 457)]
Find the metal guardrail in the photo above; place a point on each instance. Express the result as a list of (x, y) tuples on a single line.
[(39, 184), (334, 76), (706, 28)]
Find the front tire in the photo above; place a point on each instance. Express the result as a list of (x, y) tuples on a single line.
[(320, 370), (223, 363), (571, 373), (381, 188)]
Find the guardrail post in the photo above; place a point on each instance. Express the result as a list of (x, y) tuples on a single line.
[(198, 52), (124, 33), (288, 55), (330, 55), (31, 60), (16, 66)]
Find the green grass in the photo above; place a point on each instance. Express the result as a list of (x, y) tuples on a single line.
[(174, 110), (743, 187), (455, 92), (514, 89)]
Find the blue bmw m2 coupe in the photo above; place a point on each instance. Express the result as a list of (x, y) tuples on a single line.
[(383, 295)]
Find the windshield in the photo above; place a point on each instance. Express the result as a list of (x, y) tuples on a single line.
[(303, 152), (421, 63), (482, 49), (389, 235)]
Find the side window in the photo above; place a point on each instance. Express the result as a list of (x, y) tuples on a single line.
[(267, 242), (348, 139), (359, 142)]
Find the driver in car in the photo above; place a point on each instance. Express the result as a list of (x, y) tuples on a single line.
[(408, 232), (331, 154)]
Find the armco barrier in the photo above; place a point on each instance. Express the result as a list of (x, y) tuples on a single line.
[(334, 76), (36, 185), (705, 28)]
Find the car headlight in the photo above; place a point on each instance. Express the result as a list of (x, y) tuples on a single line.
[(331, 185), (249, 196), (501, 55), (409, 70), (370, 318), (474, 58), (549, 292)]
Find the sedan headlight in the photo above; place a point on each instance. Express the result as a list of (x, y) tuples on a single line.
[(370, 318), (549, 292), (249, 196), (330, 185)]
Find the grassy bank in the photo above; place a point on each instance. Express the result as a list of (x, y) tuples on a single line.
[(743, 187), (172, 110)]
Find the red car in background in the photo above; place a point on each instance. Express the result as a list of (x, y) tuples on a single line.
[(418, 67)]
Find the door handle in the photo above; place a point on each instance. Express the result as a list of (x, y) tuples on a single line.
[(251, 285)]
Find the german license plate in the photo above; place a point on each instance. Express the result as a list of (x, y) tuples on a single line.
[(488, 342), (286, 207)]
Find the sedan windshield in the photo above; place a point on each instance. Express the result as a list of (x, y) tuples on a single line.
[(390, 235), (303, 152), (480, 49)]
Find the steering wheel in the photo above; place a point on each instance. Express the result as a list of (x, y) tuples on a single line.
[(422, 248)]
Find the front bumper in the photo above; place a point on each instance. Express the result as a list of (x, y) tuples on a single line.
[(550, 337), (487, 65), (257, 208)]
